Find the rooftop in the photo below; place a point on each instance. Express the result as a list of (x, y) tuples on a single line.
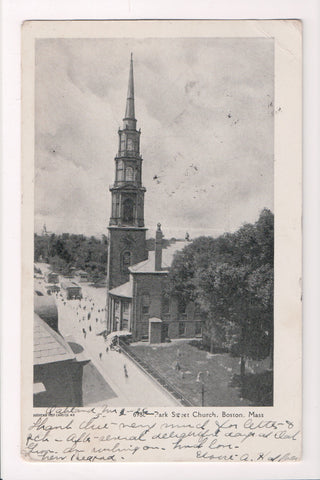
[(48, 345), (148, 266), (124, 290)]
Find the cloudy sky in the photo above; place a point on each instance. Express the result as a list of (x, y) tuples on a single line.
[(205, 108)]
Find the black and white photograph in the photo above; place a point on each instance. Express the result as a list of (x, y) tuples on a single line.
[(154, 222), (161, 239)]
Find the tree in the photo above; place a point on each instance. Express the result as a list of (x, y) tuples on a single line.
[(231, 279), (69, 250), (240, 290), (181, 278)]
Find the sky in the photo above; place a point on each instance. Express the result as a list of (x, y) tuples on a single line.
[(205, 109)]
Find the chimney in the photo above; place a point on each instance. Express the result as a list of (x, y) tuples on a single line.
[(158, 249)]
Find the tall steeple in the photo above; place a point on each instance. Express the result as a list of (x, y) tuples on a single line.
[(129, 120), (127, 239)]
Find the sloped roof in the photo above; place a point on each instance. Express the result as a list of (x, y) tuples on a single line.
[(48, 345), (147, 266), (124, 290)]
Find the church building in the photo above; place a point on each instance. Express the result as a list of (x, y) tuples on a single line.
[(136, 278)]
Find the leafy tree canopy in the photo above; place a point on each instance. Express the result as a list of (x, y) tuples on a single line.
[(231, 279)]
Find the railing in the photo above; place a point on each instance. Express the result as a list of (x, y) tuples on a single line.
[(157, 376)]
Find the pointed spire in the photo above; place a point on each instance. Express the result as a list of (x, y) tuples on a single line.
[(129, 120)]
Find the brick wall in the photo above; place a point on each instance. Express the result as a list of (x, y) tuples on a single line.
[(124, 240)]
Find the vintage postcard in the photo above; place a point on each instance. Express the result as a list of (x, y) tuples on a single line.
[(161, 218)]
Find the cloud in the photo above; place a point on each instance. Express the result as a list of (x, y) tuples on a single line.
[(200, 102)]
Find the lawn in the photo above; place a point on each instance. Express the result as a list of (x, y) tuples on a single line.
[(219, 371)]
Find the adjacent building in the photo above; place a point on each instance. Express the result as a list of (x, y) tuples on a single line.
[(52, 277), (136, 279), (57, 369), (72, 289)]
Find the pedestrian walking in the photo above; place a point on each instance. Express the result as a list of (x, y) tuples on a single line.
[(100, 355), (89, 328), (107, 349), (125, 371)]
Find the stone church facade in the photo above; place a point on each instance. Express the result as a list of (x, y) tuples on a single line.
[(136, 278)]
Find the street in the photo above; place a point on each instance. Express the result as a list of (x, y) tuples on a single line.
[(83, 320)]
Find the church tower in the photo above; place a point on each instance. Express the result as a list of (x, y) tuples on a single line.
[(127, 234)]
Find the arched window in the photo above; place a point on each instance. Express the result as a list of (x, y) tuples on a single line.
[(120, 171), (129, 174), (125, 261), (128, 216), (130, 144), (123, 142)]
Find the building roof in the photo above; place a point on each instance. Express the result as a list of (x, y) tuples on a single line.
[(148, 266), (48, 345), (68, 284), (130, 96), (124, 290)]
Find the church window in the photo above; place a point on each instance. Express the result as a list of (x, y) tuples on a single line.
[(198, 328), (123, 142), (130, 144), (145, 301), (126, 261), (117, 206), (165, 304), (129, 174), (114, 206), (120, 171), (128, 211), (182, 306), (182, 328)]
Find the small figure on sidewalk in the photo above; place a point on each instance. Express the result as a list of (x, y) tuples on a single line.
[(125, 370), (90, 328), (107, 349), (100, 355)]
